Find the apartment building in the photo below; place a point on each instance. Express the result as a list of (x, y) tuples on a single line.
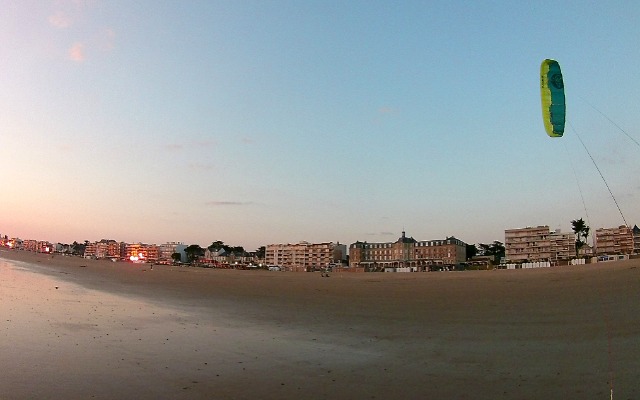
[(618, 240), (142, 252), (636, 239), (37, 246), (532, 244), (527, 244), (166, 250), (562, 246), (407, 253), (105, 248), (305, 256)]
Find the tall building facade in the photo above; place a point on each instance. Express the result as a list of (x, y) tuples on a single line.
[(527, 244), (305, 256), (618, 240), (406, 252), (142, 252), (166, 250), (562, 246), (105, 248), (540, 244)]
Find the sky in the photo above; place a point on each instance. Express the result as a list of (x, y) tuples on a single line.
[(261, 122)]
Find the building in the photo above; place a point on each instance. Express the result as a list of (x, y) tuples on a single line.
[(142, 252), (305, 256), (618, 240), (407, 254), (528, 244), (166, 251), (105, 248), (37, 246), (636, 239), (533, 244), (562, 246)]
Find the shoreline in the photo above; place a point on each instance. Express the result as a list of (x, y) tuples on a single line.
[(517, 334)]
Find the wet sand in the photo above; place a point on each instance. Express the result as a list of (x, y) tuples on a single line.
[(119, 330)]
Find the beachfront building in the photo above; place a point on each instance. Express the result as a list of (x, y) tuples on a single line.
[(305, 256), (105, 248), (528, 244), (166, 251), (534, 244), (562, 246), (37, 246), (636, 239), (610, 241), (407, 254), (142, 252)]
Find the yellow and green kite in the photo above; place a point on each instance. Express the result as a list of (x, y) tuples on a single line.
[(553, 101)]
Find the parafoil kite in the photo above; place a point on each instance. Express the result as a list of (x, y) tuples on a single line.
[(553, 101)]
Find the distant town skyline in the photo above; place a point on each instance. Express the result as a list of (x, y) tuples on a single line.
[(391, 238)]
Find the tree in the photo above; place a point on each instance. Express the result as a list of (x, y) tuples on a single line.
[(176, 257), (238, 251), (217, 245), (495, 249), (581, 230), (260, 253), (472, 251), (194, 252), (77, 249)]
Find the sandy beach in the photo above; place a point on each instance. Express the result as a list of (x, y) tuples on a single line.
[(78, 329)]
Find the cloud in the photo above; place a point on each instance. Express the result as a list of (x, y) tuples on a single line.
[(205, 143), (195, 145), (76, 52), (226, 203), (108, 39), (60, 20), (201, 166), (379, 234), (173, 146), (386, 110)]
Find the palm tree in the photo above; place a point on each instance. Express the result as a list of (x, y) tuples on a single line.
[(581, 230)]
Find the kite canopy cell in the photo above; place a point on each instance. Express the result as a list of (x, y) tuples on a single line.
[(553, 104)]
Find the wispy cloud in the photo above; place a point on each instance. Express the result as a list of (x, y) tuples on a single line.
[(60, 20), (216, 203), (76, 52), (173, 146), (205, 143), (198, 144), (108, 39), (379, 234), (386, 110), (201, 167)]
